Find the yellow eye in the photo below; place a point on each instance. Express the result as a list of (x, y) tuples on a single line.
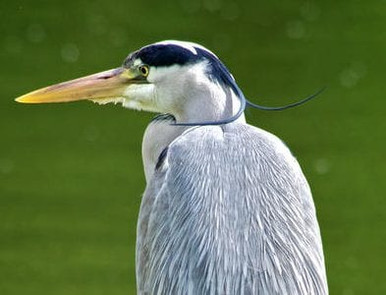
[(144, 70)]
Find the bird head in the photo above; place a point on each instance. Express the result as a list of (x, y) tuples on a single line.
[(180, 78)]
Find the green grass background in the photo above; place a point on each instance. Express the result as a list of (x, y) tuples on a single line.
[(71, 175)]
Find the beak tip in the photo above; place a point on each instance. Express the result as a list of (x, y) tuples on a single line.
[(28, 98), (22, 99)]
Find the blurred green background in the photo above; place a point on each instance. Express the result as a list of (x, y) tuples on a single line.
[(71, 174)]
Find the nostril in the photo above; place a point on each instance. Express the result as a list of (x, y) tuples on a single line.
[(104, 77), (109, 74)]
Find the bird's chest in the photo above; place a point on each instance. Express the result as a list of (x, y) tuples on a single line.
[(194, 229)]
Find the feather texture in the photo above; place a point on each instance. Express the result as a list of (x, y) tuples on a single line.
[(228, 212)]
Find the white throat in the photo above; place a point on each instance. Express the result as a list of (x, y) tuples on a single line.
[(214, 104), (190, 96)]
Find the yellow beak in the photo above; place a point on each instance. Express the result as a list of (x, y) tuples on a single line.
[(108, 85)]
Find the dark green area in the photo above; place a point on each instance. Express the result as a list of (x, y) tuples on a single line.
[(71, 175)]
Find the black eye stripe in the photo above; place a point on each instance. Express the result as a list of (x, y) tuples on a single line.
[(164, 55)]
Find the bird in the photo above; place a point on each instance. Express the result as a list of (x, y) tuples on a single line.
[(227, 208)]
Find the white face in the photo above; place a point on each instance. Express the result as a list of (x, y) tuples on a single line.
[(167, 88)]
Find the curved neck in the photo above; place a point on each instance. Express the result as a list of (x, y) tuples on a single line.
[(210, 103)]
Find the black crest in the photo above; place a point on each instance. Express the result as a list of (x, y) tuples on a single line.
[(168, 54), (164, 55)]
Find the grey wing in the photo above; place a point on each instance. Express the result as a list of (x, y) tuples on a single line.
[(229, 212)]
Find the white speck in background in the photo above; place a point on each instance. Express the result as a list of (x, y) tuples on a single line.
[(351, 75), (36, 33), (296, 29), (322, 166), (70, 52)]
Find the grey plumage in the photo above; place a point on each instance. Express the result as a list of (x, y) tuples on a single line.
[(229, 212), (227, 209)]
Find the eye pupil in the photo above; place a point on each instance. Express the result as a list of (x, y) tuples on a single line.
[(144, 70)]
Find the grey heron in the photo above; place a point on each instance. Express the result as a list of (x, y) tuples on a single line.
[(227, 209)]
